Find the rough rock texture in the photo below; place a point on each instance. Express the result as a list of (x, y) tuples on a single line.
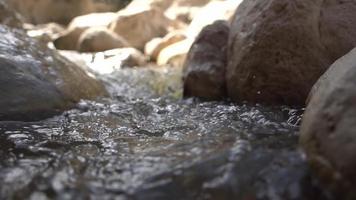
[(35, 82), (140, 25), (100, 39), (68, 40), (204, 68), (328, 133), (279, 48), (61, 11), (155, 46)]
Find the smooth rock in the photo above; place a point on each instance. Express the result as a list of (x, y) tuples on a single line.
[(279, 48), (139, 25), (35, 82), (213, 11), (205, 66), (8, 16), (328, 132), (100, 39), (155, 46), (175, 54), (60, 11), (68, 39)]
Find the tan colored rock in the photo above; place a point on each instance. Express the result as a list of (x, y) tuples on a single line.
[(100, 39), (185, 10), (174, 54), (155, 46), (8, 16), (205, 66), (213, 11), (328, 132), (68, 40), (140, 25), (60, 11), (279, 48), (49, 31)]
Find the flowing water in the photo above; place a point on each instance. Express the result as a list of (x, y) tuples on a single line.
[(147, 143)]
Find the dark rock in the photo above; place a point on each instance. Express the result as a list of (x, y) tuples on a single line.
[(328, 133), (279, 48), (35, 82), (205, 66)]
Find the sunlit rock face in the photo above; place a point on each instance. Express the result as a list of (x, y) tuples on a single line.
[(205, 66), (100, 39), (279, 48), (61, 11), (141, 24), (69, 39), (205, 15), (36, 82), (328, 133)]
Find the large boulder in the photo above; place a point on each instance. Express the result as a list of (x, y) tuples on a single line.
[(35, 82), (60, 11), (204, 68), (279, 48), (141, 24), (328, 132), (68, 39), (100, 39)]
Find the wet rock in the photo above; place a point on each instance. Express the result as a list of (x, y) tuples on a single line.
[(44, 11), (204, 68), (36, 82), (68, 40), (328, 130), (141, 24), (259, 174), (100, 39), (156, 45), (279, 48)]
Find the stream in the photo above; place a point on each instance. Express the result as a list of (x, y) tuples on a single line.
[(146, 142)]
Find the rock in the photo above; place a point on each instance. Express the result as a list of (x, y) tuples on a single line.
[(100, 39), (8, 16), (48, 32), (328, 132), (185, 10), (174, 54), (140, 25), (213, 11), (279, 48), (68, 40), (204, 68), (45, 11), (35, 82), (155, 46)]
